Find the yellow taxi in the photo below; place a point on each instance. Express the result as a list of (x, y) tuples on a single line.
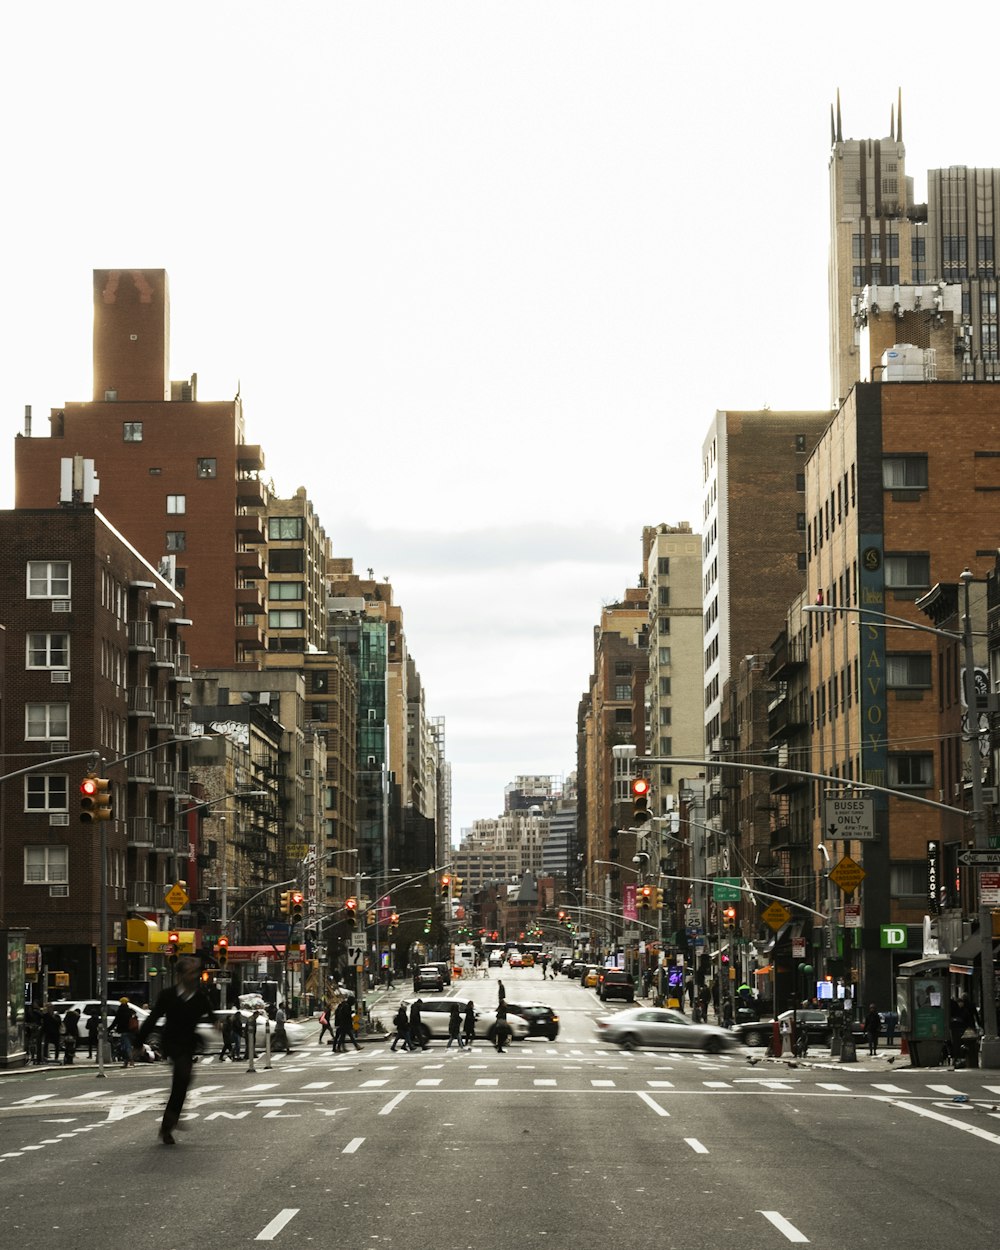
[(590, 977), (527, 960)]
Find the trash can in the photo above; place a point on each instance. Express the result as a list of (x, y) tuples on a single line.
[(970, 1048)]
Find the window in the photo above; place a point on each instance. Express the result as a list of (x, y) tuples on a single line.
[(908, 880), (48, 651), (908, 672), (904, 472), (623, 692), (318, 711), (664, 685), (908, 571), (46, 792), (918, 249), (205, 466), (320, 681), (800, 520), (46, 720), (623, 668), (663, 596), (284, 528), (858, 275), (132, 431), (48, 579), (291, 560), (176, 540), (911, 770), (664, 655), (46, 865), (663, 566), (623, 716), (176, 504), (286, 590), (286, 618)]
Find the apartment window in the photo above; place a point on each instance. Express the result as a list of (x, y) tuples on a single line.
[(800, 557), (908, 672), (46, 792), (664, 685), (908, 571), (904, 472), (284, 528), (318, 711), (48, 651), (46, 720), (984, 249), (320, 681), (48, 579), (666, 716), (132, 431), (858, 275), (664, 655), (908, 880), (285, 618), (912, 770), (800, 483), (666, 748), (176, 540), (623, 692), (800, 520), (858, 246), (663, 566), (918, 249), (663, 596), (623, 716), (176, 505), (286, 590), (205, 466), (290, 560), (46, 865), (623, 668)]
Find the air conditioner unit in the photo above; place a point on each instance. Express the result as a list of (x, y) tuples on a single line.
[(59, 818), (990, 796), (58, 891), (58, 748), (62, 605), (60, 675)]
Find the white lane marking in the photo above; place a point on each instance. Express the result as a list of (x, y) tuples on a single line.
[(373, 1084), (24, 1102), (890, 1089), (944, 1089), (487, 1080), (94, 1093), (600, 1084), (840, 1089), (317, 1085), (352, 1145), (943, 1119), (783, 1225), (430, 1080), (993, 1089), (660, 1084), (258, 1089), (651, 1102), (717, 1085), (541, 1081), (393, 1103), (270, 1231), (696, 1146)]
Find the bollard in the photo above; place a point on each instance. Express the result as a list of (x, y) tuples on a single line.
[(251, 1042), (776, 1040), (267, 1042), (848, 1053)]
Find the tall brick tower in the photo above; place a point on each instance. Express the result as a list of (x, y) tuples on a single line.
[(177, 476)]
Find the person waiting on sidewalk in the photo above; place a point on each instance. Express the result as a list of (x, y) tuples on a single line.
[(873, 1027)]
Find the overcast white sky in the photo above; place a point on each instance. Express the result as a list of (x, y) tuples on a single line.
[(482, 270)]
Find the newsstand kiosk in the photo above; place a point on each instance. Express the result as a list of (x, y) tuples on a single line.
[(922, 1001)]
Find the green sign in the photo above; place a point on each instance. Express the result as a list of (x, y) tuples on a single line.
[(893, 936), (726, 889)]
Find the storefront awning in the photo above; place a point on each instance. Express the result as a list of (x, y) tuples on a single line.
[(763, 972), (969, 950)]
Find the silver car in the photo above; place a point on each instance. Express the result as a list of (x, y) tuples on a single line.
[(434, 1017), (659, 1026)]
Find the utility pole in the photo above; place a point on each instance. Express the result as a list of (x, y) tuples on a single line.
[(990, 1057)]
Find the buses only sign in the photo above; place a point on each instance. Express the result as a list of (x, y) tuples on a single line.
[(850, 818)]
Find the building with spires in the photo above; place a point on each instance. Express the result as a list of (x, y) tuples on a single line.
[(880, 237)]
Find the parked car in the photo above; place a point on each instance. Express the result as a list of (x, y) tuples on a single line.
[(434, 1017), (816, 1024), (616, 983), (428, 977), (542, 1020), (656, 1026)]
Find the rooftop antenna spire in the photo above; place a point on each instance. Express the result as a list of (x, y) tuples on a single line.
[(899, 117), (840, 132), (892, 121)]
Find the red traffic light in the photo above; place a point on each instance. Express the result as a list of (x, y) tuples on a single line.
[(88, 787), (640, 787), (351, 904), (223, 943)]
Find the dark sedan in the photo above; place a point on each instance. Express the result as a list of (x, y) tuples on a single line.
[(816, 1025), (542, 1020), (428, 977)]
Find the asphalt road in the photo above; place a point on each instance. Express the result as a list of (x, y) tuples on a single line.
[(569, 1144)]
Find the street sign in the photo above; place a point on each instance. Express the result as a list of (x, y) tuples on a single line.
[(980, 859), (776, 915), (726, 889), (850, 818), (176, 898), (892, 936), (277, 929), (847, 874), (989, 889)]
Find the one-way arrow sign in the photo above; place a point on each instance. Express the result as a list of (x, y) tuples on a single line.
[(980, 859)]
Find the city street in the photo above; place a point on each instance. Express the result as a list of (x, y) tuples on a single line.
[(568, 1143)]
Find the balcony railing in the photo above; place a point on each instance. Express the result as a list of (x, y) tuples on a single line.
[(140, 831), (140, 701), (144, 895), (140, 636), (166, 652)]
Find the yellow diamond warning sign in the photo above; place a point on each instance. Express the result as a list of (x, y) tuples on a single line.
[(847, 874), (776, 915)]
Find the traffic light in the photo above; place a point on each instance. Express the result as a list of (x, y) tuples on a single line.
[(729, 916), (351, 907), (394, 922), (295, 902), (222, 951), (285, 903), (657, 898), (370, 916), (446, 886), (427, 923), (173, 942), (640, 801), (95, 799), (645, 898), (456, 887)]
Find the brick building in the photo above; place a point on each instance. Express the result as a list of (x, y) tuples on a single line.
[(95, 663), (176, 474)]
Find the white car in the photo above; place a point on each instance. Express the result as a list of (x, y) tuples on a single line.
[(435, 1014)]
